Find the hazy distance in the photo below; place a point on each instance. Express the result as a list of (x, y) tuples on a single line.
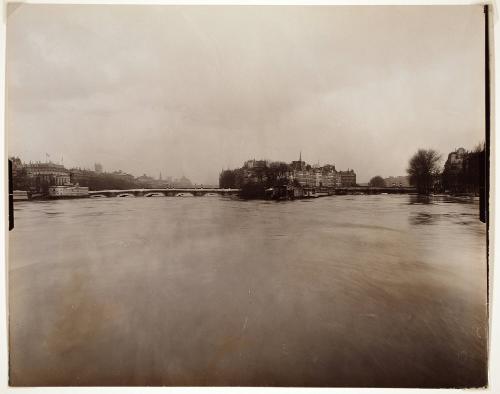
[(189, 90)]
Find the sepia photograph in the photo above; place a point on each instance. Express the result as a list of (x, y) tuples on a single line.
[(250, 196)]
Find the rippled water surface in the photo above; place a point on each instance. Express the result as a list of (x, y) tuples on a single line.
[(336, 291)]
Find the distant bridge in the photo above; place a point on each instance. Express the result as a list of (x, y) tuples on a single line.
[(198, 192), (177, 192)]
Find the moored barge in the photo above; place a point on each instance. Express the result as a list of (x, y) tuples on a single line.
[(68, 191)]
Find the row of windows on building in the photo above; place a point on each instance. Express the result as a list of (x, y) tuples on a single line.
[(318, 178)]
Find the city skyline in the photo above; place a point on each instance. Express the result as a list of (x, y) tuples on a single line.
[(96, 168), (342, 85), (166, 175)]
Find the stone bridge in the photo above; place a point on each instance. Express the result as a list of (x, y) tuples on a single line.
[(177, 192), (198, 192)]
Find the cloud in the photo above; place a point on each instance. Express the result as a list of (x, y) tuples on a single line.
[(190, 90)]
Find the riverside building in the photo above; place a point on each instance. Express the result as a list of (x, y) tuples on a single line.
[(348, 178), (49, 173)]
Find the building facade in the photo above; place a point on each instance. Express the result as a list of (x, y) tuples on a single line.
[(456, 159), (325, 176), (48, 173), (306, 178), (347, 178), (463, 171)]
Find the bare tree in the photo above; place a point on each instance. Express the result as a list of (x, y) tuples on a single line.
[(424, 169), (377, 181)]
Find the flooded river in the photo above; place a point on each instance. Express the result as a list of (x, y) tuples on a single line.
[(384, 290)]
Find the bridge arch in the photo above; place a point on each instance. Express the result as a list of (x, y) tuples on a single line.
[(154, 194), (184, 195), (125, 195)]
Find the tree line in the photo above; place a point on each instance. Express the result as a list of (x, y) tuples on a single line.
[(465, 175), (273, 174)]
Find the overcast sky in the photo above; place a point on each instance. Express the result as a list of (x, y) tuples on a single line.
[(191, 90)]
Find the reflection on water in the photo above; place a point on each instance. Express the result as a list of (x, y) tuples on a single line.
[(336, 291), (420, 199), (422, 218)]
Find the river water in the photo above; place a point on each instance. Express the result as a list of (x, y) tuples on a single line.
[(385, 290)]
